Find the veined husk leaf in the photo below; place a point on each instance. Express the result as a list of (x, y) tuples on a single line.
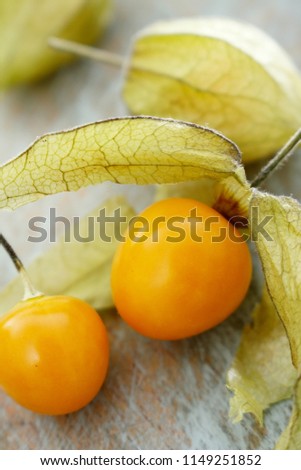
[(290, 439), (218, 72), (229, 196), (262, 372), (77, 268), (279, 249), (26, 25), (232, 198), (140, 150), (280, 253)]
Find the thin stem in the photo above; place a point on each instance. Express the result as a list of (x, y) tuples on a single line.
[(29, 290), (86, 51), (279, 158)]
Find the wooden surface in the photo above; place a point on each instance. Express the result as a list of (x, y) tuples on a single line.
[(158, 395)]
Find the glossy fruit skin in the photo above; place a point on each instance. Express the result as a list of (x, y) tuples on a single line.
[(54, 354), (171, 291)]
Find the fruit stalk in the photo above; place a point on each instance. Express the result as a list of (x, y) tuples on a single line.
[(284, 153), (86, 51), (29, 290)]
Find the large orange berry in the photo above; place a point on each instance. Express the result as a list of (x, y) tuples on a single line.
[(185, 273)]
